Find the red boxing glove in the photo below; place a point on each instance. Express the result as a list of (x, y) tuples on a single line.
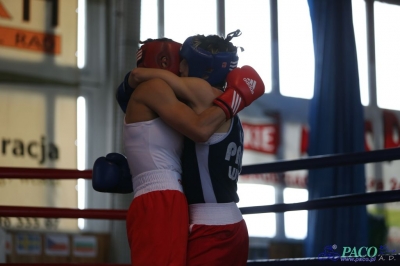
[(243, 86)]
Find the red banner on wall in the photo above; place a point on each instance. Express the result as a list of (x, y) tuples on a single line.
[(391, 130), (266, 137), (30, 40), (262, 138)]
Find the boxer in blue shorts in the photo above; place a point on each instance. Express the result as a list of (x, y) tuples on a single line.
[(208, 234)]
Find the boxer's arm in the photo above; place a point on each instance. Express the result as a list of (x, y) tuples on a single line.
[(180, 86), (159, 97), (123, 93)]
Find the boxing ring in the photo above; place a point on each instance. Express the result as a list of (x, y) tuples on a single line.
[(314, 162)]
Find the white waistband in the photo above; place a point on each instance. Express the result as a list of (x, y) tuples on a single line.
[(156, 180), (214, 213)]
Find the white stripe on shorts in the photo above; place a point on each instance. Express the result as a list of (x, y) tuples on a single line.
[(156, 180), (214, 213)]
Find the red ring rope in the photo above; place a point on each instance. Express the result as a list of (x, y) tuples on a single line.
[(45, 212), (64, 264), (40, 173)]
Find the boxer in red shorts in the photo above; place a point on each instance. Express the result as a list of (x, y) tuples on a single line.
[(155, 182)]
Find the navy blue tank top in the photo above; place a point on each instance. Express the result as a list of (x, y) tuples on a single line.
[(211, 169)]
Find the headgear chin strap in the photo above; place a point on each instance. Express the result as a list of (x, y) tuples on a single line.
[(203, 64), (159, 53)]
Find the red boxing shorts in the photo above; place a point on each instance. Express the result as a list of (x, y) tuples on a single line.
[(218, 235), (157, 221)]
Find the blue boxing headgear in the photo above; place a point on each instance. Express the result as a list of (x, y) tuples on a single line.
[(203, 64)]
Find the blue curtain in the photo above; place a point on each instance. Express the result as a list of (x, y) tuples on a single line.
[(336, 123)]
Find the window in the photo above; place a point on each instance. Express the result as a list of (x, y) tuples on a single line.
[(81, 38), (387, 54), (296, 54), (295, 221), (185, 18), (253, 19), (149, 20), (360, 32), (258, 225), (81, 154)]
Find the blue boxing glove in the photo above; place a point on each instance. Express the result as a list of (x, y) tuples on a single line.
[(124, 93), (112, 174)]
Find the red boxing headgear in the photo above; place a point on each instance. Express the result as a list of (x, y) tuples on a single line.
[(159, 53)]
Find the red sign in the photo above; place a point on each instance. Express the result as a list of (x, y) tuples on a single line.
[(262, 138), (30, 40), (304, 140), (265, 137), (391, 130)]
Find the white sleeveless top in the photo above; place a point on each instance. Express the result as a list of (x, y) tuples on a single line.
[(152, 145)]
